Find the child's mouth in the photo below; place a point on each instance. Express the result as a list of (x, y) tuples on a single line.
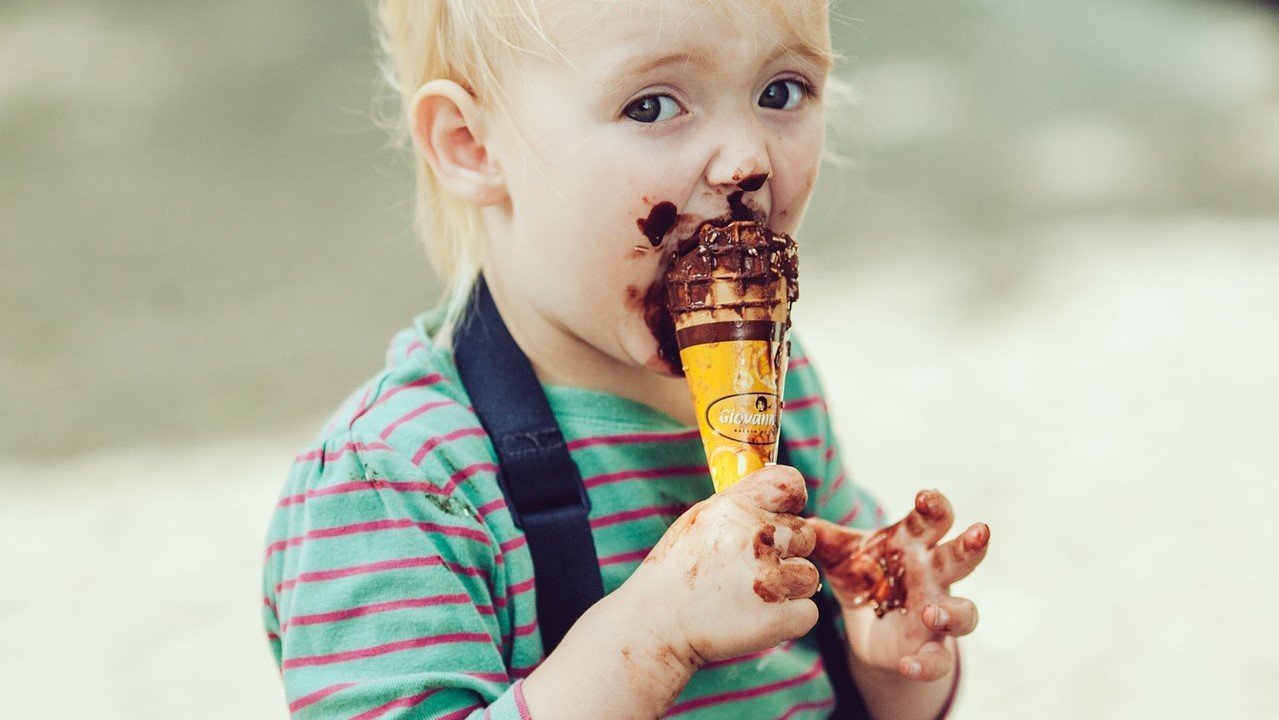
[(664, 216), (661, 219), (760, 264), (738, 210)]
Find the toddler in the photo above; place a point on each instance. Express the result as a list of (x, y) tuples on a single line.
[(563, 148)]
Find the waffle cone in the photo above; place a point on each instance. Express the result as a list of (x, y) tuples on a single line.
[(730, 298)]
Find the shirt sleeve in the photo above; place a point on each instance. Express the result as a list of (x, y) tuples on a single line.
[(381, 593)]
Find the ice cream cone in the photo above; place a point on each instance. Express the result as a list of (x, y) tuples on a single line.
[(729, 290)]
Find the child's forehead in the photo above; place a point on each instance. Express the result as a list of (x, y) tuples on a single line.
[(634, 35)]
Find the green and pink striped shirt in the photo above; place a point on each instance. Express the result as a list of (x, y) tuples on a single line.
[(397, 586)]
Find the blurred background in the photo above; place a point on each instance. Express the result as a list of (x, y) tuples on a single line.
[(1045, 278)]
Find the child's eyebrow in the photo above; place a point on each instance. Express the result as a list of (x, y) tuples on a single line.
[(814, 60), (647, 64)]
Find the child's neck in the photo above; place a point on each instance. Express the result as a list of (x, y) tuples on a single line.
[(561, 358)]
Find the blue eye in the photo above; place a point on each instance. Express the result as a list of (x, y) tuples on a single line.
[(652, 108), (783, 94)]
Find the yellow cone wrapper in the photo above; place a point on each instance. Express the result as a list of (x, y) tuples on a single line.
[(729, 290)]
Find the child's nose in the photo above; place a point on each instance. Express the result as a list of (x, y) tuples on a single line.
[(741, 154)]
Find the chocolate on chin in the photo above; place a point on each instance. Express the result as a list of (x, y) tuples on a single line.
[(729, 290)]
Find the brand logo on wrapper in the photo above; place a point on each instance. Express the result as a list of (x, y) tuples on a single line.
[(746, 417)]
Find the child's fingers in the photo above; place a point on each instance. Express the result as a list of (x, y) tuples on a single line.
[(950, 616), (932, 662), (834, 542), (931, 518), (795, 538), (790, 579), (776, 488), (956, 559), (796, 618)]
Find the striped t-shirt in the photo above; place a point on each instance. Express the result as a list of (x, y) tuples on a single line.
[(396, 584)]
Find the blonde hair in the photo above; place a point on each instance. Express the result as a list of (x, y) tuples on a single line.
[(472, 43), (468, 42)]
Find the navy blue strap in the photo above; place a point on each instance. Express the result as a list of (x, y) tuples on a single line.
[(543, 487), (546, 496)]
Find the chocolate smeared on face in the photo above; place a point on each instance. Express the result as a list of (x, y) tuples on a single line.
[(651, 303), (755, 255), (660, 220), (662, 327), (737, 210), (751, 183)]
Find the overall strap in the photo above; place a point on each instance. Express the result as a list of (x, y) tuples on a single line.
[(542, 485), (546, 496)]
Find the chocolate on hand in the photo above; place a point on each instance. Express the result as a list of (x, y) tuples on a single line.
[(884, 568)]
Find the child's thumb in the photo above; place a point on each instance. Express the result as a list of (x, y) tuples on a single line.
[(776, 488)]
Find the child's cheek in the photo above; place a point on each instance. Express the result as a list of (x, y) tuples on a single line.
[(659, 222), (650, 303), (655, 221)]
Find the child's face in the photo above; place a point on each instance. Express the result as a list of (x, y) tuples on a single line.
[(657, 112)]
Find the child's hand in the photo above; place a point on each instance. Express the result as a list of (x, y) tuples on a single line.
[(729, 577), (903, 566)]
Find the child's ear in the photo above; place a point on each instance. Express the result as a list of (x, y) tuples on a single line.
[(444, 120)]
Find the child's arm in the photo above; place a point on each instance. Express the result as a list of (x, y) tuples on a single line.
[(694, 600), (844, 510), (384, 593), (888, 695), (614, 662)]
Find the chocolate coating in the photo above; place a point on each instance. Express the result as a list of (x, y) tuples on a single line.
[(743, 252)]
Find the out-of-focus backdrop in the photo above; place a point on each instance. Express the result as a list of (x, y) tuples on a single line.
[(1046, 280)]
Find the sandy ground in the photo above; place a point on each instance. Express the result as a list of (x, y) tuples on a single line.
[(1113, 419)]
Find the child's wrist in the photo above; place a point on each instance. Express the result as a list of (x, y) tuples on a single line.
[(651, 631), (633, 669), (654, 655)]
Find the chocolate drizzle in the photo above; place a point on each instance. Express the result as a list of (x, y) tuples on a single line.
[(748, 255)]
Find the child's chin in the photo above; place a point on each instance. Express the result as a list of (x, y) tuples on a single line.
[(661, 366)]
